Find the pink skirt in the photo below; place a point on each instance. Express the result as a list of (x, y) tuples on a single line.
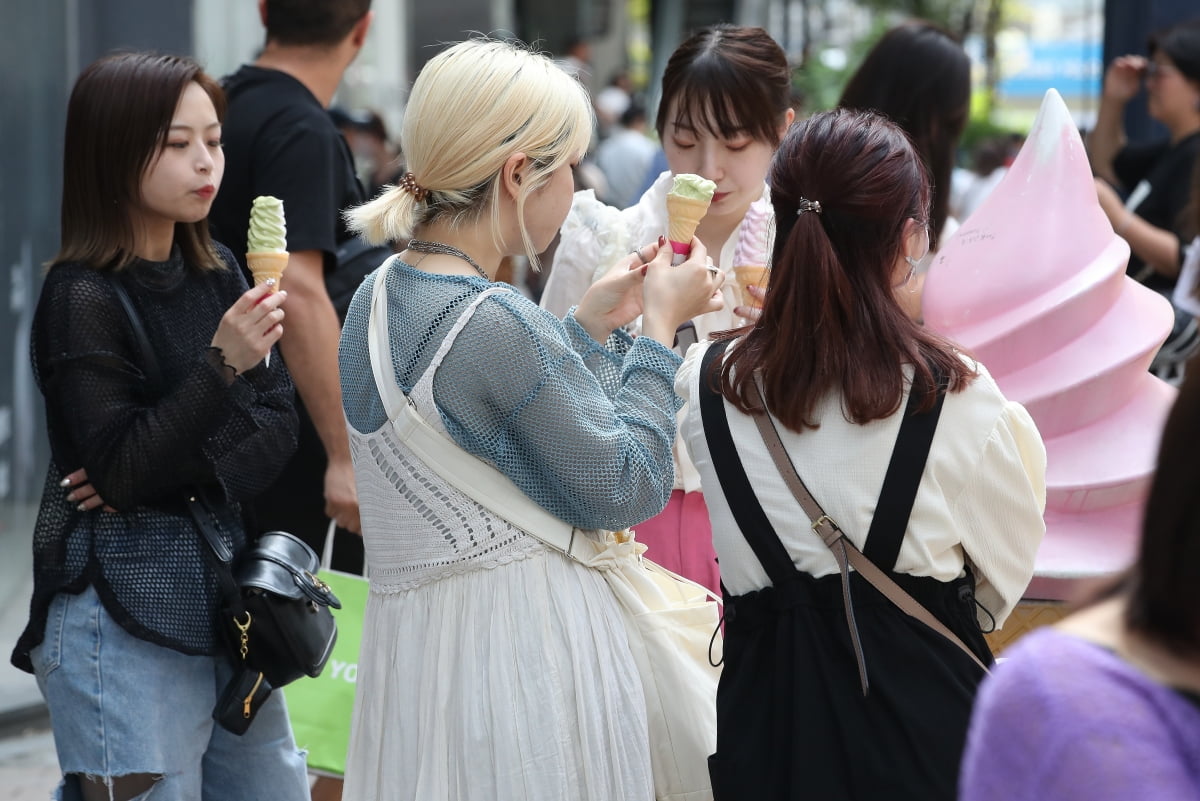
[(680, 539)]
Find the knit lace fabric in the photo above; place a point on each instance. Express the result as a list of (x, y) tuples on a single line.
[(146, 445), (583, 429)]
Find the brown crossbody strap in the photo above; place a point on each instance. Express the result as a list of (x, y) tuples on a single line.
[(844, 551)]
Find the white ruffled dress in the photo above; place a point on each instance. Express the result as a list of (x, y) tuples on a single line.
[(493, 668)]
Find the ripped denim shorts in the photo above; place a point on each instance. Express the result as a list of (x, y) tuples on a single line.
[(124, 707)]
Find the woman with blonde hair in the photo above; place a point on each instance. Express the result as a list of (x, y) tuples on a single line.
[(493, 666)]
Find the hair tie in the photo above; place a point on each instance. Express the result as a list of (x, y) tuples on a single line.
[(409, 183), (808, 205)]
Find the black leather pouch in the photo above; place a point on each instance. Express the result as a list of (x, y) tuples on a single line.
[(241, 699), (291, 630)]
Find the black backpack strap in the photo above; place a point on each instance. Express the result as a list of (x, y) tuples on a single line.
[(902, 479), (743, 503)]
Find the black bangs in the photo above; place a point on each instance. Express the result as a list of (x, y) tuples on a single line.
[(728, 80), (1181, 44), (718, 98)]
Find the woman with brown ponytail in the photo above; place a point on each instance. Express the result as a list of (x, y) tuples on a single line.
[(813, 701)]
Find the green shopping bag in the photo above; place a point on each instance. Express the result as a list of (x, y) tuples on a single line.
[(320, 708)]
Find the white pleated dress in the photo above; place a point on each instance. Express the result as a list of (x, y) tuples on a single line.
[(492, 667)]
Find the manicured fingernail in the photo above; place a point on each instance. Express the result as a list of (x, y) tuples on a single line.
[(66, 482), (270, 282), (71, 497), (662, 240), (81, 508), (644, 269)]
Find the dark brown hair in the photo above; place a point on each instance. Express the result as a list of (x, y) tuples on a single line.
[(1164, 583), (831, 322), (1181, 44), (313, 22), (919, 76), (1188, 226), (118, 119), (729, 80)]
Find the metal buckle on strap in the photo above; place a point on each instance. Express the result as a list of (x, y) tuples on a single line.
[(832, 535)]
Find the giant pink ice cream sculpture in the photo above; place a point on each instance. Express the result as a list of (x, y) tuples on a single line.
[(1033, 284)]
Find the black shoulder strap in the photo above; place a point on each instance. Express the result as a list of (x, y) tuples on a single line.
[(149, 359), (902, 479), (743, 503), (218, 553)]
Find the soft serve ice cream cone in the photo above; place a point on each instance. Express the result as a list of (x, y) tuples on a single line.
[(1033, 285), (266, 242), (687, 203), (752, 253)]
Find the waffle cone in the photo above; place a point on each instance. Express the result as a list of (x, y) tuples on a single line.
[(266, 265), (750, 275), (683, 215)]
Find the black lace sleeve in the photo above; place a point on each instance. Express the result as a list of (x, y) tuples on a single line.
[(142, 445), (257, 434)]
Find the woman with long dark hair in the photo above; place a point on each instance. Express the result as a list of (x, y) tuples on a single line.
[(918, 76), (123, 633), (828, 689)]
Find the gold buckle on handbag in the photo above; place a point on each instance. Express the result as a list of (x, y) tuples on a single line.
[(320, 585)]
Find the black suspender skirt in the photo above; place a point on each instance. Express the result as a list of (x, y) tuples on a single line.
[(792, 719)]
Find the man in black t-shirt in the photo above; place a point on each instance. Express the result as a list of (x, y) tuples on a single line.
[(280, 141)]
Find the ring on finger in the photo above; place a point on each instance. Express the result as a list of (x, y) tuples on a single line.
[(712, 268), (637, 252)]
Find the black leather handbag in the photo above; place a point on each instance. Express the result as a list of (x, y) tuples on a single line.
[(291, 630), (276, 611)]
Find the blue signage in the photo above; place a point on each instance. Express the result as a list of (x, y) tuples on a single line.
[(1075, 68)]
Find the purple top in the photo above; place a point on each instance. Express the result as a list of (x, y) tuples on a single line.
[(1063, 719)]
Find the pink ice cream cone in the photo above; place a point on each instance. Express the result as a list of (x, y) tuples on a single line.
[(752, 253), (1034, 286)]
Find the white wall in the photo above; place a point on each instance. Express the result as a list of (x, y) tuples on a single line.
[(228, 33)]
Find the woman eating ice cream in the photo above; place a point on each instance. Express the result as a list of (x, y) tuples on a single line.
[(149, 350), (725, 105)]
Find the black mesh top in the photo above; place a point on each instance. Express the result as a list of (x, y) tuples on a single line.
[(144, 443)]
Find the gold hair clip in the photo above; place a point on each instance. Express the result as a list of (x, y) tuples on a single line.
[(808, 205), (409, 183)]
